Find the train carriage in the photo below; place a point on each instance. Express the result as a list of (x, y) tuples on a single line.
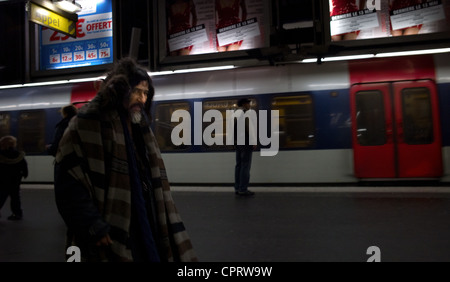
[(339, 122)]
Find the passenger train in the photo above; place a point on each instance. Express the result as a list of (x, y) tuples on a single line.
[(339, 122)]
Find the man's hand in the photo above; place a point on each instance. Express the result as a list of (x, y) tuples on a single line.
[(105, 241)]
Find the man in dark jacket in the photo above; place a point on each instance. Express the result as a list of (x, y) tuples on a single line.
[(13, 167), (111, 187), (243, 151), (67, 112)]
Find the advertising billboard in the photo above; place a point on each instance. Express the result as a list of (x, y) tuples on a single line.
[(368, 19), (200, 27), (92, 46)]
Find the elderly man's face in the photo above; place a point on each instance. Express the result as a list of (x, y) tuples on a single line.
[(137, 100)]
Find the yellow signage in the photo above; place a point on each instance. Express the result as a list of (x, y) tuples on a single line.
[(50, 19)]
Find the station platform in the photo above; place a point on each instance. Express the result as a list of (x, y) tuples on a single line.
[(278, 224)]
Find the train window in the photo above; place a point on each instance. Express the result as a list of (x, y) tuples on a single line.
[(370, 118), (5, 124), (296, 125), (417, 116), (164, 125), (31, 131), (222, 106)]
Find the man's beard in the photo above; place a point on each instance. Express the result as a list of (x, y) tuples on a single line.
[(136, 117), (135, 114)]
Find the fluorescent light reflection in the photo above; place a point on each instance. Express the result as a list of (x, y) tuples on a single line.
[(59, 82), (191, 70), (68, 6), (340, 58), (346, 58), (380, 55), (47, 83), (412, 53)]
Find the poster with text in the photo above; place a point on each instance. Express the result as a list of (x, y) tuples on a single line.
[(92, 46), (201, 26), (419, 16), (239, 24), (190, 27), (366, 19)]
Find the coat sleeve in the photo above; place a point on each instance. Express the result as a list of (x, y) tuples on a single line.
[(77, 207), (24, 168), (60, 128)]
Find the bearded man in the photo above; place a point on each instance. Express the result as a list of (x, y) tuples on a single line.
[(111, 187)]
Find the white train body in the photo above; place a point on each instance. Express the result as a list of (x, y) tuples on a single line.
[(319, 112)]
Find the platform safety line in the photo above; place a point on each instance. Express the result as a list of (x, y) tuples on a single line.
[(318, 189), (340, 189)]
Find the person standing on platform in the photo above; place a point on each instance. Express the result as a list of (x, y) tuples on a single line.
[(67, 113), (111, 186), (13, 168), (244, 151)]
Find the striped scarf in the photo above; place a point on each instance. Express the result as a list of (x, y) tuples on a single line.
[(94, 147)]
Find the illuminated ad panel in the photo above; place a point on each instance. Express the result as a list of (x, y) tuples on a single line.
[(92, 46), (200, 27), (366, 19)]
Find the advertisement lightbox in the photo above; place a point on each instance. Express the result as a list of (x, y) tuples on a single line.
[(92, 46), (369, 19), (196, 27)]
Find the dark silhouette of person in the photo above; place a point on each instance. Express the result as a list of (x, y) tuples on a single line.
[(13, 168), (67, 113), (244, 152)]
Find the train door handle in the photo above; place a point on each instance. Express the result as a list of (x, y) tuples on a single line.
[(389, 133), (400, 133)]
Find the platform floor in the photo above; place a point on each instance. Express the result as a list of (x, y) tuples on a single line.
[(278, 224)]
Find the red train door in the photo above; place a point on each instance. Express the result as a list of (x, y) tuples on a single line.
[(395, 128)]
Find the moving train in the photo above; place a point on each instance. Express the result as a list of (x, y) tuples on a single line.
[(340, 122)]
